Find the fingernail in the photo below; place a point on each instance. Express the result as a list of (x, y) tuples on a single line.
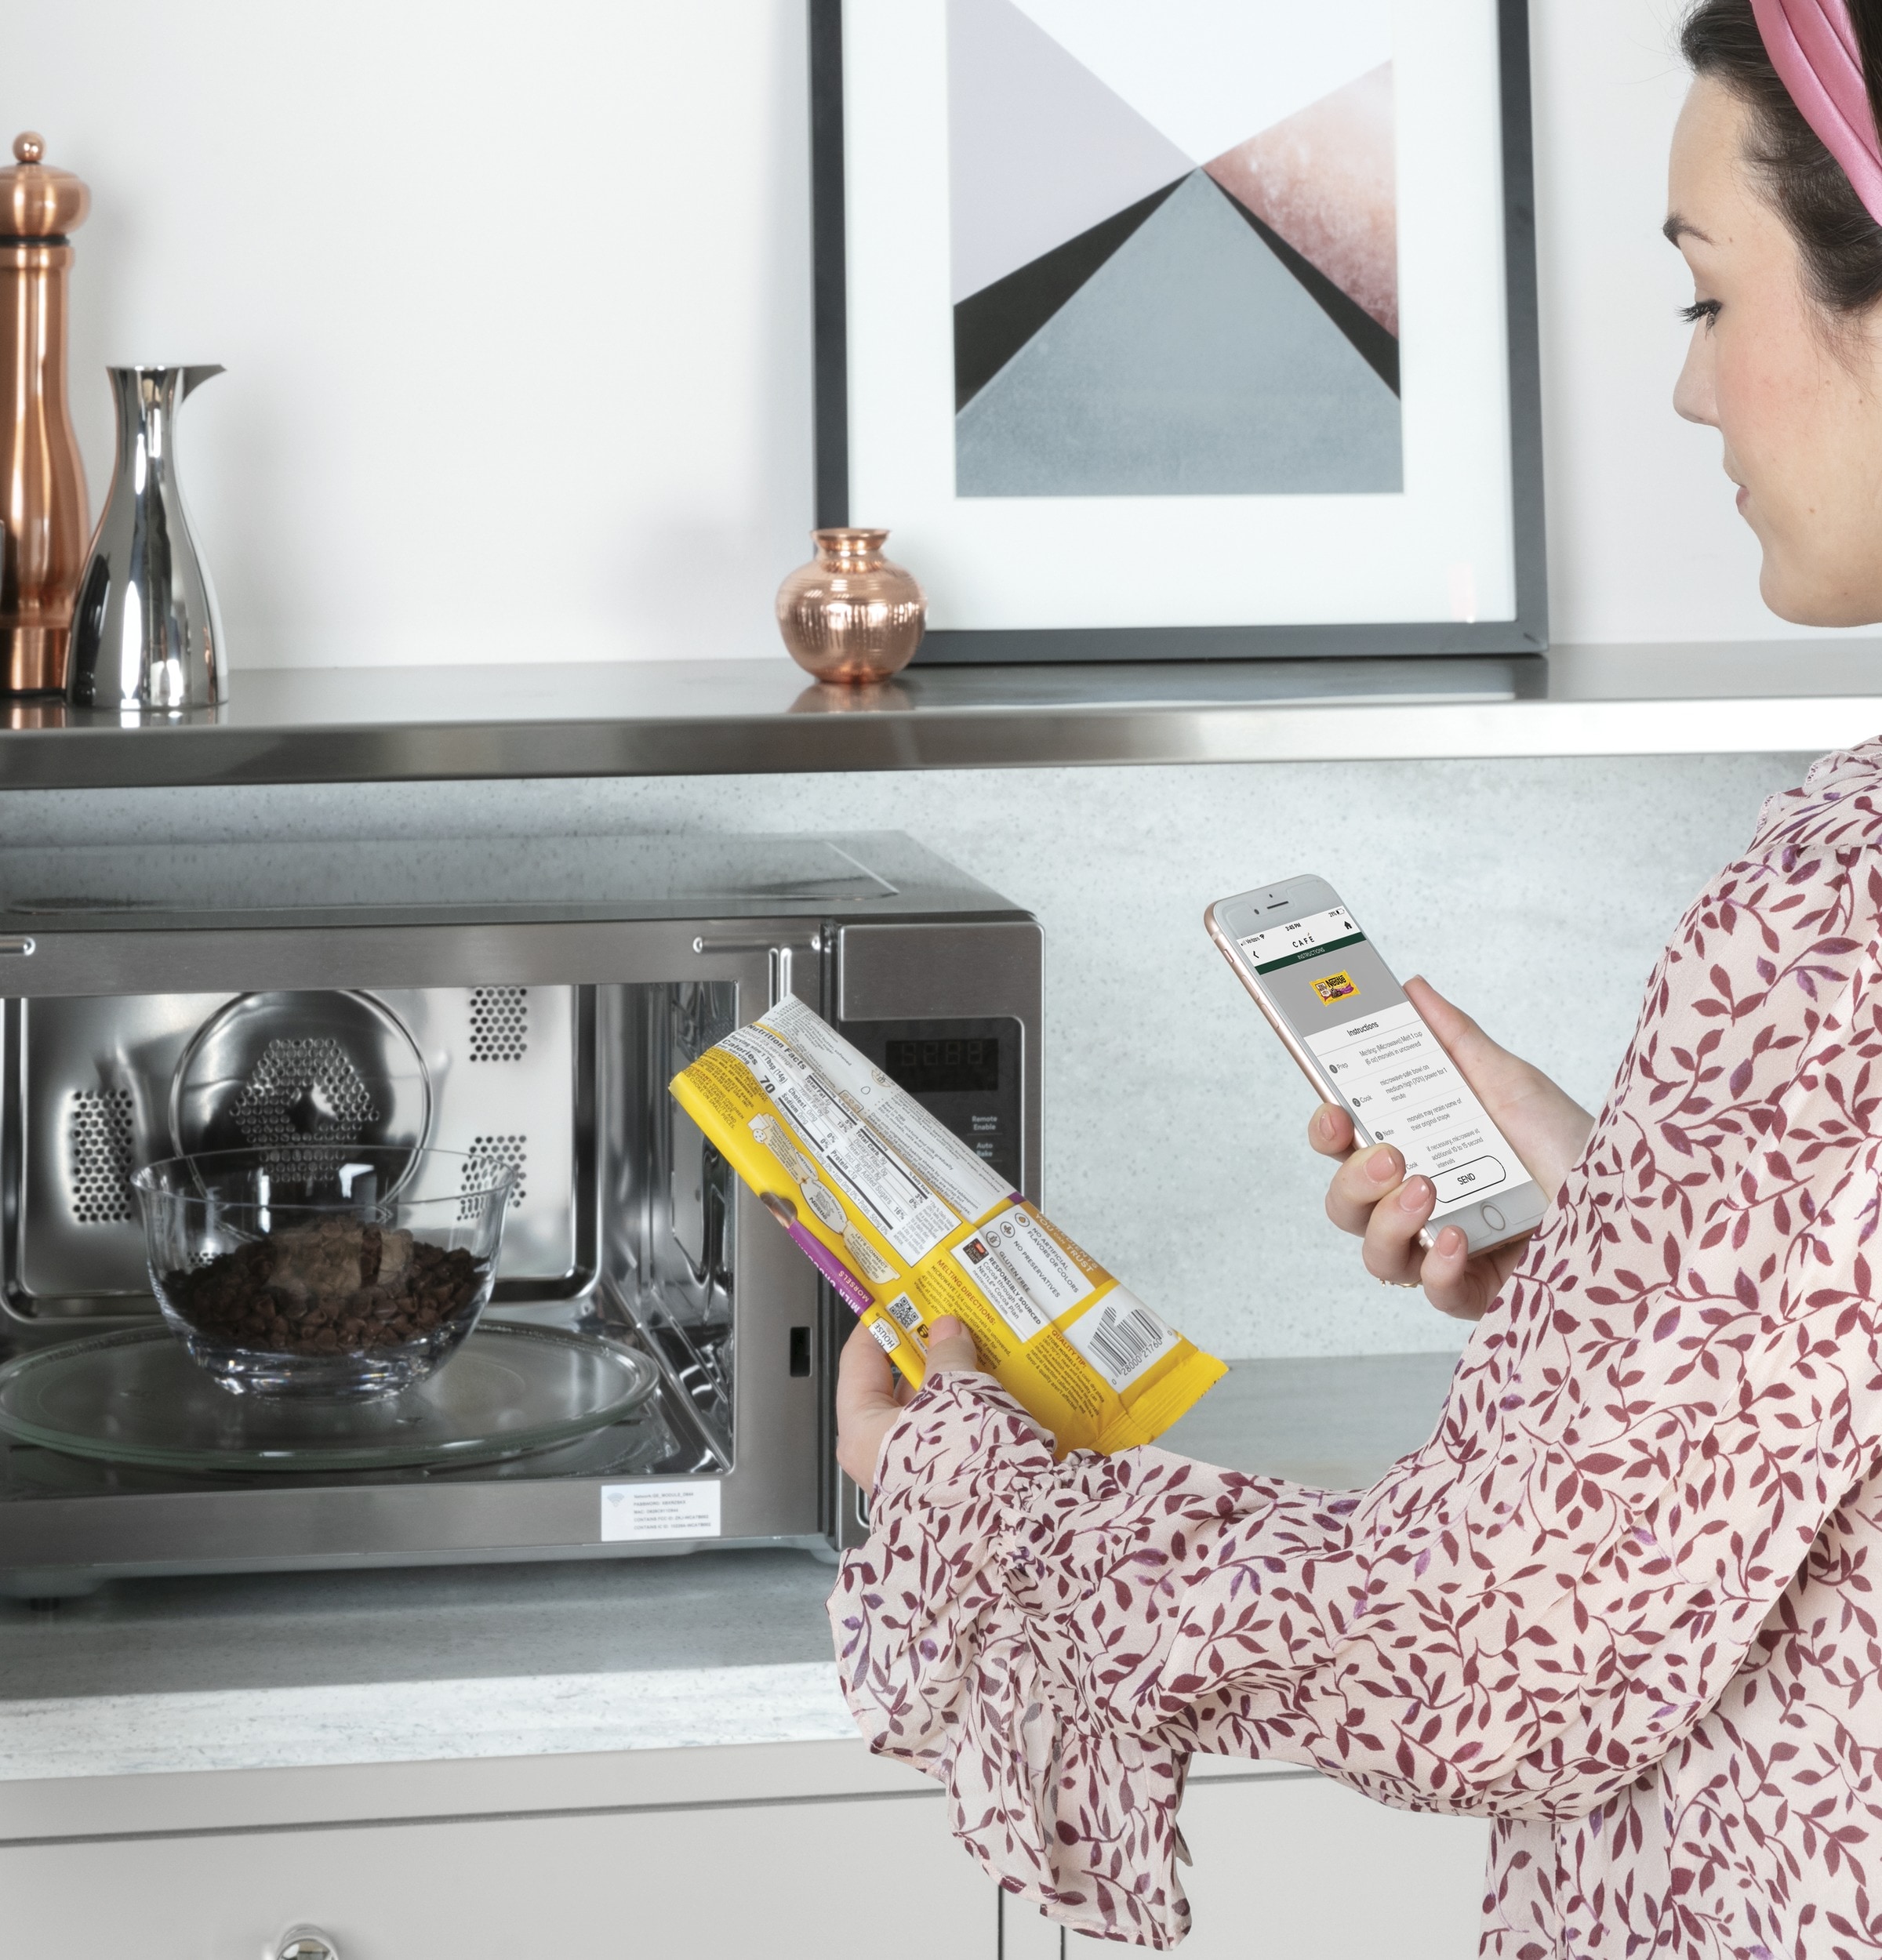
[(1380, 1168), (1451, 1241), (1322, 1125), (1416, 1195)]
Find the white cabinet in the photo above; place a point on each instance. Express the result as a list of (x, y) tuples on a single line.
[(1289, 1866), (1297, 1868), (844, 1880), (790, 1852)]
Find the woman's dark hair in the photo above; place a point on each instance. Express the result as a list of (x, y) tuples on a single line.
[(1841, 244)]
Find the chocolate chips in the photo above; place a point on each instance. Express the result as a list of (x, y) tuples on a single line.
[(337, 1287)]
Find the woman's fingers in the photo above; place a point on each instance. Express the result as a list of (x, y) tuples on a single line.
[(1449, 1022), (1453, 1283), (1359, 1184), (864, 1377), (950, 1345), (1392, 1251), (1330, 1130), (867, 1407), (871, 1393), (1548, 1128)]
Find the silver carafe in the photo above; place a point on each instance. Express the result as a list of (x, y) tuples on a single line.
[(145, 631)]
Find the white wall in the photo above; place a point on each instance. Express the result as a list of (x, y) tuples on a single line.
[(514, 302)]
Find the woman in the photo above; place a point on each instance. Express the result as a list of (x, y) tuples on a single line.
[(1625, 1602)]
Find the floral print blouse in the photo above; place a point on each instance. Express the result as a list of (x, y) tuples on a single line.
[(1624, 1602)]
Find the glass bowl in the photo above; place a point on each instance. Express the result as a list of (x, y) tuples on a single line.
[(334, 1271)]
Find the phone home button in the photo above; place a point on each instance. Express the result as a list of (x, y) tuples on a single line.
[(1492, 1217)]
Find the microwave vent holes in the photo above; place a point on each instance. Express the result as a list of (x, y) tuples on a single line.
[(99, 1144), (499, 1024), (305, 1104), (489, 1157)]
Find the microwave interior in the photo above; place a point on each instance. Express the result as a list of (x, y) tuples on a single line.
[(621, 1219)]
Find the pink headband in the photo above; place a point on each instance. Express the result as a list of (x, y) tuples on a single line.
[(1813, 47)]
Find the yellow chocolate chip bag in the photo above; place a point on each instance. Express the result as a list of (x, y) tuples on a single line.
[(907, 1224)]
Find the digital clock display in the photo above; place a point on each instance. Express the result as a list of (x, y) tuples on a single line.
[(939, 1067)]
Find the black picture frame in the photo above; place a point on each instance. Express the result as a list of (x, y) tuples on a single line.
[(1528, 633)]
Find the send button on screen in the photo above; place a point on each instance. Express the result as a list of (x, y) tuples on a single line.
[(1481, 1173)]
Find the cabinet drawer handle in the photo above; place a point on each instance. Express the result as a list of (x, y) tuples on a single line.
[(24, 947), (305, 1943)]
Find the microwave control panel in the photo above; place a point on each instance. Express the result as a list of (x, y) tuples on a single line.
[(969, 1074)]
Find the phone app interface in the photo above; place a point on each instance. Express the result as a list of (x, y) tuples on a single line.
[(1340, 998)]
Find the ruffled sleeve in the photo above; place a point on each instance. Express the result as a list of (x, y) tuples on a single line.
[(997, 1607)]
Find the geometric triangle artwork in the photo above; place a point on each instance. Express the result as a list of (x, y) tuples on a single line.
[(1192, 363), (1377, 347), (1127, 323), (992, 325), (1211, 73), (1039, 149), (1325, 181)]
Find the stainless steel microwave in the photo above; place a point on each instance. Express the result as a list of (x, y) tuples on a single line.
[(524, 1003)]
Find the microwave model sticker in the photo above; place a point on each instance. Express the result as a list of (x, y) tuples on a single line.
[(1335, 986), (632, 1511)]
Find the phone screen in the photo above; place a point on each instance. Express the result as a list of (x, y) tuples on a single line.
[(1326, 982)]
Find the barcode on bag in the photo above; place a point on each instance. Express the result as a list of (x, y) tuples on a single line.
[(902, 1311), (1124, 1342), (1121, 1338)]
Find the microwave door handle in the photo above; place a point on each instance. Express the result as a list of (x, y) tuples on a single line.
[(780, 957)]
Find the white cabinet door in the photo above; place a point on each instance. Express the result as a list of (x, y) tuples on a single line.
[(810, 1881), (1291, 1867)]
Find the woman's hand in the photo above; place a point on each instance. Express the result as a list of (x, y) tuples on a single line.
[(871, 1394), (1371, 1197)]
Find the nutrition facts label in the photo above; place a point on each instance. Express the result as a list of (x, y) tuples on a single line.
[(1399, 1083), (912, 1220)]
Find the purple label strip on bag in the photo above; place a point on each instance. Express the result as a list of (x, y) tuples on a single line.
[(856, 1295)]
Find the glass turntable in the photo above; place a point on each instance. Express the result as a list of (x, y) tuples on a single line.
[(136, 1398)]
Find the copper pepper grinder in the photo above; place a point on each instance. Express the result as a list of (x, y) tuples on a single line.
[(43, 510)]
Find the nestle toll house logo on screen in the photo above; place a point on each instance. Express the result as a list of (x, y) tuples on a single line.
[(1335, 986)]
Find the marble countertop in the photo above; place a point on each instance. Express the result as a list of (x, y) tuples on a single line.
[(300, 1669)]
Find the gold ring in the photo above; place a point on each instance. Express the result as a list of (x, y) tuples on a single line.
[(1411, 1285)]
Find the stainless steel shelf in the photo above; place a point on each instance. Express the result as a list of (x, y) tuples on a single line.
[(711, 717)]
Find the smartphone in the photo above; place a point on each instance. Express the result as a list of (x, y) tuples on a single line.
[(1360, 1043)]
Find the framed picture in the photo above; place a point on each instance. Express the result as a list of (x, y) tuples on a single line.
[(1182, 329)]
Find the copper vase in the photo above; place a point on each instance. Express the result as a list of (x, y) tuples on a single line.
[(850, 616), (44, 527)]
